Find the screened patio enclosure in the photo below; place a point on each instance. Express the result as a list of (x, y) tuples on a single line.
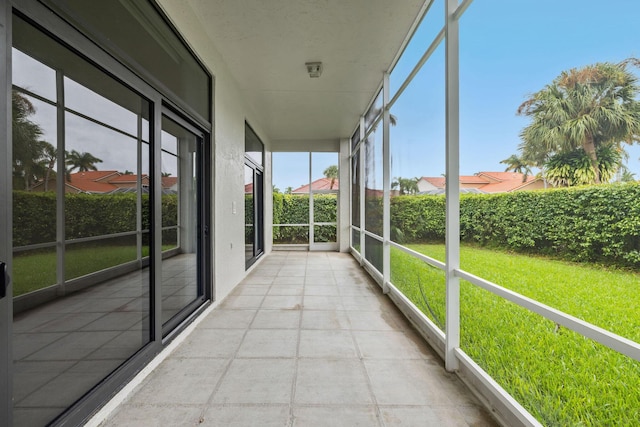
[(151, 150)]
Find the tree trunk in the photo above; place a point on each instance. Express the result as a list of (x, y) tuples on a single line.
[(589, 147)]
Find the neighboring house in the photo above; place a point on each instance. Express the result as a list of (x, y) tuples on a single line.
[(485, 182), (104, 182), (322, 184)]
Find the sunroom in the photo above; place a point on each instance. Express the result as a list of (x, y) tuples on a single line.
[(258, 212)]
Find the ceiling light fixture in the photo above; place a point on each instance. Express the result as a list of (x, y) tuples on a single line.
[(314, 69)]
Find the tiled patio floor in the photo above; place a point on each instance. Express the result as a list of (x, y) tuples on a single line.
[(307, 339)]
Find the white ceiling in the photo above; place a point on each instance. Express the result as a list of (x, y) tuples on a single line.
[(265, 44)]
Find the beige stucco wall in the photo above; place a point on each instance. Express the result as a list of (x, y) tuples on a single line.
[(229, 114)]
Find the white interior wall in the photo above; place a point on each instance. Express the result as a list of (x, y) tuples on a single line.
[(229, 114)]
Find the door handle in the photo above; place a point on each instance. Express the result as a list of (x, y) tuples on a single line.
[(4, 279)]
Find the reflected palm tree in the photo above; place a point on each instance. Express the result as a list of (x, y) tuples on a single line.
[(83, 162)]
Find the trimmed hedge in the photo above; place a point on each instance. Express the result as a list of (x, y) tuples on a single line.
[(294, 209), (595, 224), (86, 215)]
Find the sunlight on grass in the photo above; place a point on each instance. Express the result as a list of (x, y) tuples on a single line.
[(562, 378)]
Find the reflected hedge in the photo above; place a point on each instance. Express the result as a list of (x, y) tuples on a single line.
[(86, 215)]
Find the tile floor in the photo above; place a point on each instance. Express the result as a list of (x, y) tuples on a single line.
[(307, 339)]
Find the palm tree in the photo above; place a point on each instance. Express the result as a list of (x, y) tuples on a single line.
[(583, 108), (627, 176), (405, 185), (332, 173), (83, 162), (27, 146), (50, 155), (517, 164), (574, 167)]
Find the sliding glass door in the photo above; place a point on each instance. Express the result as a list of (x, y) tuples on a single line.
[(104, 226), (253, 197), (184, 229), (80, 257)]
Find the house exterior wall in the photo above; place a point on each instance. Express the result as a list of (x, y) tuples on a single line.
[(229, 114)]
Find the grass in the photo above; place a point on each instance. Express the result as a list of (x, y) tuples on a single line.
[(37, 269), (562, 378)]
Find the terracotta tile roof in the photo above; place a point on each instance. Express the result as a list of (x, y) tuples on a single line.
[(94, 175), (169, 181), (126, 178), (501, 176), (318, 185), (488, 182)]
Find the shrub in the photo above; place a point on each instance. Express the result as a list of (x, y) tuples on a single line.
[(595, 224)]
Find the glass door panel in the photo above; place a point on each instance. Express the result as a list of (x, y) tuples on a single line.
[(324, 197), (249, 214), (325, 210), (182, 290), (81, 305), (291, 198)]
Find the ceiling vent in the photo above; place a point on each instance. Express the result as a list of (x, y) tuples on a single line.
[(314, 69)]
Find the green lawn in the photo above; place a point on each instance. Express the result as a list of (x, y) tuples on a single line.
[(562, 378)]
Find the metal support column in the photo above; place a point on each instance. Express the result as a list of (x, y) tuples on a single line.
[(386, 187), (452, 186), (361, 171), (6, 208)]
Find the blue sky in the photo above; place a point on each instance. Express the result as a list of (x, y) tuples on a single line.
[(508, 50)]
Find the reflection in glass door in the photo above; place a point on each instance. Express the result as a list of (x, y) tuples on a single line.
[(183, 231), (81, 218)]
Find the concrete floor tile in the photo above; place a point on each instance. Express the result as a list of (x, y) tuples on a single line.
[(389, 345), (319, 302), (205, 368), (358, 290), (255, 290), (334, 344), (366, 303), (320, 280), (277, 319), (325, 319), (145, 415), (335, 416), (319, 290), (214, 343), (246, 416), (242, 301), (289, 280), (372, 321), (262, 343), (228, 319), (422, 416), (286, 290), (257, 279), (335, 381), (288, 302), (257, 381), (406, 382), (318, 272), (291, 272), (175, 388)]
